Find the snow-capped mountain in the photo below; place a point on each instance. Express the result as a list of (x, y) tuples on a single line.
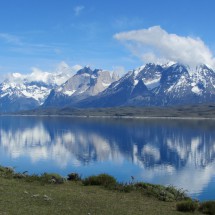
[(149, 85), (158, 85), (181, 85), (85, 83), (23, 92)]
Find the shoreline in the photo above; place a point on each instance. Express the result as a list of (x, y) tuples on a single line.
[(50, 193), (188, 112), (110, 117)]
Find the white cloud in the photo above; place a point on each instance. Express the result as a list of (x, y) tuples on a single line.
[(9, 38), (156, 45), (59, 76), (119, 70), (78, 9), (63, 66)]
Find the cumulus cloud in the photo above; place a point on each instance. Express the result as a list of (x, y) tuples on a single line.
[(63, 66), (78, 9), (156, 45), (119, 70), (58, 76)]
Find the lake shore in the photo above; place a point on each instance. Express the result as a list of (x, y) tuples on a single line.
[(112, 117), (46, 194), (175, 112)]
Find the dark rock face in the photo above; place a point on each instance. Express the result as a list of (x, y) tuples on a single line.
[(155, 85), (9, 104), (84, 84)]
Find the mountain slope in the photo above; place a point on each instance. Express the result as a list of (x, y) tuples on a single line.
[(82, 85), (24, 92), (150, 85), (158, 85)]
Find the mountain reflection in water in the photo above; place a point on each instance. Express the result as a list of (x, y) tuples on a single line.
[(164, 151)]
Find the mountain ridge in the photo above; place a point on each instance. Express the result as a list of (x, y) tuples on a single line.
[(171, 84), (161, 86)]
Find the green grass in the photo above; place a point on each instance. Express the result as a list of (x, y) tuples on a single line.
[(100, 180), (207, 207), (19, 195), (187, 206)]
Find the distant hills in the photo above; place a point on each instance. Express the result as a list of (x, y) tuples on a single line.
[(151, 85)]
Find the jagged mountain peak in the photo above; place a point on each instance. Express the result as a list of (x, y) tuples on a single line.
[(86, 82), (168, 64), (155, 84), (202, 68), (151, 84), (85, 70), (178, 66)]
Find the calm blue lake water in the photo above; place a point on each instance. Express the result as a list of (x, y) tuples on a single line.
[(169, 152)]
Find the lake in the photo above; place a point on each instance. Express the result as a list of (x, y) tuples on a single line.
[(161, 151)]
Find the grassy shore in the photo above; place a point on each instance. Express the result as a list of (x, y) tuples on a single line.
[(50, 194)]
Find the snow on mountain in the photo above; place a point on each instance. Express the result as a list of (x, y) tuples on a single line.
[(85, 83), (148, 85), (150, 74), (128, 90), (88, 82), (34, 87), (158, 85)]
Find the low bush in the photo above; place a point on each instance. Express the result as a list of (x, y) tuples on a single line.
[(207, 207), (20, 175), (6, 172), (45, 178), (187, 206), (73, 177), (102, 179), (32, 178), (179, 194), (163, 193), (51, 178)]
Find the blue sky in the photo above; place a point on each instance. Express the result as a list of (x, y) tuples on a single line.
[(42, 33)]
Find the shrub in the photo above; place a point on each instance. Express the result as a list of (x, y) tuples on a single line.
[(163, 193), (102, 179), (19, 175), (32, 178), (73, 177), (187, 206), (6, 172), (207, 207), (51, 178), (45, 178), (179, 194)]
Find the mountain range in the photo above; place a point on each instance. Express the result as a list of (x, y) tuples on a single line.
[(169, 84), (25, 92)]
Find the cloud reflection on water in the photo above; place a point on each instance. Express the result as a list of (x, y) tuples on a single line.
[(167, 152)]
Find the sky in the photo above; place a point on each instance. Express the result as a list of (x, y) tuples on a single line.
[(112, 35)]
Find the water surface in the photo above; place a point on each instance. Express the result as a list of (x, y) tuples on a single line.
[(163, 151)]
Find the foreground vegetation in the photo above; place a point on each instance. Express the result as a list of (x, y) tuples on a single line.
[(51, 194)]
